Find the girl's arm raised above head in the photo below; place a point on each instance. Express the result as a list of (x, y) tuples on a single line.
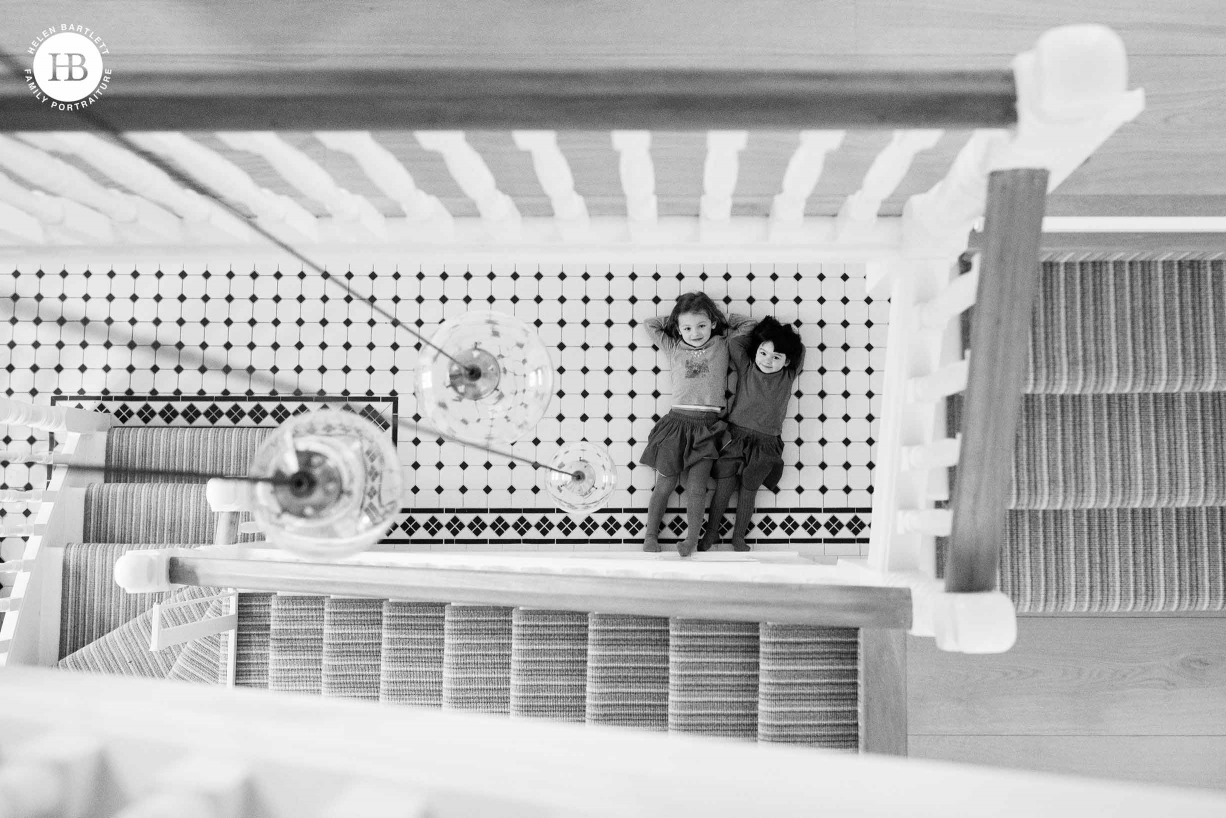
[(655, 329), (740, 324)]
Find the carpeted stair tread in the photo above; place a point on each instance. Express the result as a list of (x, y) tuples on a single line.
[(1117, 451), (203, 660), (1129, 326), (411, 659), (353, 636), (124, 650), (94, 604), (252, 649), (168, 513), (627, 671), (179, 448), (713, 678), (477, 660), (1115, 560), (296, 644), (549, 664), (808, 686)]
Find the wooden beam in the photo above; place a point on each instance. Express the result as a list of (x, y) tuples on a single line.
[(883, 691), (446, 98), (1008, 284), (787, 603)]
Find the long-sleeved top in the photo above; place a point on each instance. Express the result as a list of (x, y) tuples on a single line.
[(761, 400), (700, 374)]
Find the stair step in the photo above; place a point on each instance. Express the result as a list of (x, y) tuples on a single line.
[(147, 513), (549, 664), (411, 670), (252, 650), (353, 637), (1115, 560), (1129, 326), (202, 660), (179, 448), (808, 686), (296, 644), (477, 661), (124, 650), (97, 604), (713, 678), (627, 671)]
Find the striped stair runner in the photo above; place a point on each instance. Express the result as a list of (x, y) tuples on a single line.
[(549, 664), (477, 659), (252, 636), (411, 666), (808, 686), (713, 678), (1120, 463), (201, 659), (212, 451), (353, 639), (296, 644), (627, 671)]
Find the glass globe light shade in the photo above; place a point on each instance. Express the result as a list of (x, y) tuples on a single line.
[(498, 385), (589, 480), (343, 487)]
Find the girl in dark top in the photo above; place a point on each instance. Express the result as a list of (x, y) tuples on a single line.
[(767, 363)]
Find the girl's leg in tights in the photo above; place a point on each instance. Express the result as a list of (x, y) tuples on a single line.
[(665, 486), (725, 487), (744, 513), (695, 504)]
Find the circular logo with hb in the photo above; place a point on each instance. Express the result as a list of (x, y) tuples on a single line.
[(68, 65)]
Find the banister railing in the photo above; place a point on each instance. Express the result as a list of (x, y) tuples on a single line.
[(739, 591)]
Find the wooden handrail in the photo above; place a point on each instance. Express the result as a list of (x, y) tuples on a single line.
[(446, 98), (1008, 284), (805, 603)]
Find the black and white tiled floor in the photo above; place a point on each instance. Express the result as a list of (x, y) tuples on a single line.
[(249, 347)]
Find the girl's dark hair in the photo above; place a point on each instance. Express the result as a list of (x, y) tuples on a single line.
[(783, 336), (695, 302)]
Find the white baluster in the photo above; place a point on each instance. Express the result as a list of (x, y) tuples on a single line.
[(29, 458), (803, 171), (388, 174), (934, 522), (638, 177), (306, 175), (16, 566), (859, 213), (52, 418), (278, 214), (553, 172), (27, 498), (80, 222), (470, 172), (10, 604), (142, 177), (58, 177), (20, 226), (719, 174), (946, 381), (955, 299), (21, 529), (935, 455)]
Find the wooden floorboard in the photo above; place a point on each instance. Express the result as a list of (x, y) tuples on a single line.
[(883, 691), (1188, 761), (1077, 676)]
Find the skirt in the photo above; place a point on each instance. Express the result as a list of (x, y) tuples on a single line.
[(683, 438), (757, 458)]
